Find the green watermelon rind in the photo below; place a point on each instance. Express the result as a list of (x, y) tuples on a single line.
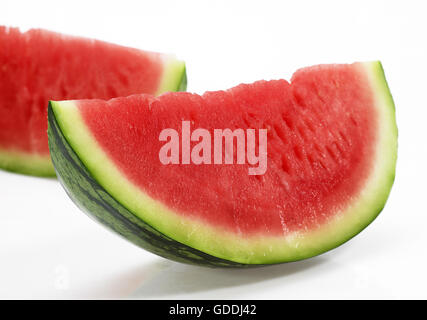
[(217, 243), (26, 163), (174, 76), (174, 79), (92, 198)]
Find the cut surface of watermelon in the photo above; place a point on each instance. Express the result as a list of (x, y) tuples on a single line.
[(332, 146), (38, 65)]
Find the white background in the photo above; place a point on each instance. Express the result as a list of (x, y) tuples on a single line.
[(49, 249)]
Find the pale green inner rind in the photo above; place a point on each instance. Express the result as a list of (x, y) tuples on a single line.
[(216, 241), (26, 163), (174, 76)]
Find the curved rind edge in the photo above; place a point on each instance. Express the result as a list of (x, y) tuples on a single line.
[(374, 195), (94, 200), (263, 249)]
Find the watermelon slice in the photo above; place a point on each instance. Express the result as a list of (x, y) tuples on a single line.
[(37, 66), (331, 154)]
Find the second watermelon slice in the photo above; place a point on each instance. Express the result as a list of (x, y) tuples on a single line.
[(38, 65)]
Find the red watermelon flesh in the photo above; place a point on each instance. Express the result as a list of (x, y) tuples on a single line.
[(330, 161), (319, 153), (38, 65)]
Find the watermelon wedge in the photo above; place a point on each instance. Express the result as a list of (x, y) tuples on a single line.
[(38, 65), (331, 155)]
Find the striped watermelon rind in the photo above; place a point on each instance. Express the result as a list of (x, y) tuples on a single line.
[(211, 245), (93, 199)]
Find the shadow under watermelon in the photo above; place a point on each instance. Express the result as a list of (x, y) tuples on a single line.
[(173, 279)]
